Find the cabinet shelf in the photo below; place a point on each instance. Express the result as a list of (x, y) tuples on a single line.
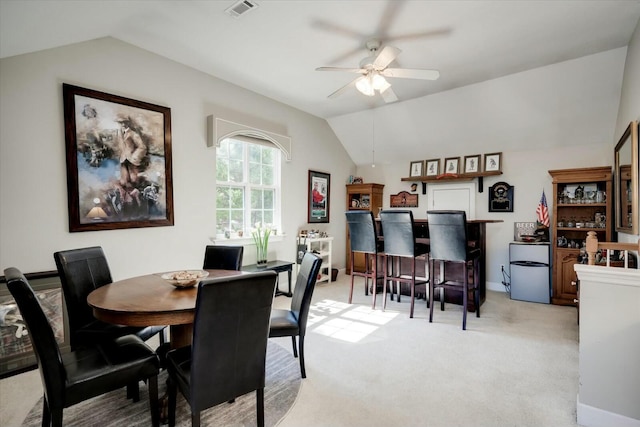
[(321, 246), (585, 229)]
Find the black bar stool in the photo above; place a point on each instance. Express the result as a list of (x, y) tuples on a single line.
[(400, 242), (363, 238), (448, 239)]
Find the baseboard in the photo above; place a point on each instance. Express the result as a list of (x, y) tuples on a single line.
[(495, 286), (590, 416)]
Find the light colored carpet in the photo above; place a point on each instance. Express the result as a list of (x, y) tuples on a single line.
[(516, 365), (114, 410)]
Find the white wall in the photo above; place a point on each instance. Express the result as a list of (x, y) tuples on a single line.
[(630, 104), (33, 189)]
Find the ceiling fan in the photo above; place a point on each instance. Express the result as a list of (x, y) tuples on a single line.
[(374, 69)]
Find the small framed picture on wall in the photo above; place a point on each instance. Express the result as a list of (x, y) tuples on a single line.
[(433, 167), (472, 164), (452, 165), (493, 162), (416, 168)]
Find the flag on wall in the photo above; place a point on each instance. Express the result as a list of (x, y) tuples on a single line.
[(543, 211)]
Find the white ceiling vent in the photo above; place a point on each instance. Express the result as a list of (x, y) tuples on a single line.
[(241, 7)]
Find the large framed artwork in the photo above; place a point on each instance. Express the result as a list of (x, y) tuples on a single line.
[(118, 161), (319, 192)]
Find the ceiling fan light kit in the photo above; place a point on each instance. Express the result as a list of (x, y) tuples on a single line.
[(374, 70)]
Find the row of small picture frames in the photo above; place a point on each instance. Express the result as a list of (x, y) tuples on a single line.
[(472, 164)]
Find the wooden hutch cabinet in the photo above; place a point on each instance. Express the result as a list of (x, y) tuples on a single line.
[(582, 200), (366, 197)]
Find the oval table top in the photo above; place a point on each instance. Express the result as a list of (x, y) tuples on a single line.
[(148, 300)]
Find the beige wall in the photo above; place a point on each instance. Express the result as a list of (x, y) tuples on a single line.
[(33, 189)]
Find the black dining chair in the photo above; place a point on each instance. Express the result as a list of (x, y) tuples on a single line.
[(82, 271), (223, 257), (70, 378), (363, 238), (293, 322), (449, 245), (399, 243), (228, 352)]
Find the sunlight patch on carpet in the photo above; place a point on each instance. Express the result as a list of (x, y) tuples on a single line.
[(348, 322)]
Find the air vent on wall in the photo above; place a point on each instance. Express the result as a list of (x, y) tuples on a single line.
[(241, 7)]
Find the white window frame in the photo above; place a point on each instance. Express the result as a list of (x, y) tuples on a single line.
[(277, 186)]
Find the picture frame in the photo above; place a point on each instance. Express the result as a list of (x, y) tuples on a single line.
[(452, 165), (472, 164), (493, 162), (119, 167), (416, 168), (319, 197), (432, 167), (501, 197)]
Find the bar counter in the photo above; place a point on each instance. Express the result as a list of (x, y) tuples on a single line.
[(476, 235)]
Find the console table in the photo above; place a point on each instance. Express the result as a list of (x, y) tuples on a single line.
[(277, 266)]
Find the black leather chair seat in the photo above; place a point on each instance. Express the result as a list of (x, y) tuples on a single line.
[(97, 331), (283, 323), (106, 367)]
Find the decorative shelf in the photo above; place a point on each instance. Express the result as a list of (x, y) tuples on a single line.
[(458, 177)]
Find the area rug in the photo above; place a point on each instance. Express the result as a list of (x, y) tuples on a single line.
[(113, 409)]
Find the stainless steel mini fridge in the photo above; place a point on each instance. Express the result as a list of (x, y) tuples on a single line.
[(530, 271)]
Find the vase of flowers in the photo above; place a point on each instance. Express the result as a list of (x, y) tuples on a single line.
[(260, 236)]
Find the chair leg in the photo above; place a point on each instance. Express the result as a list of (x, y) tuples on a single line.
[(56, 417), (303, 372), (385, 281), (133, 392), (465, 298), (352, 276), (413, 287), (46, 415), (295, 349), (153, 401), (476, 289), (172, 391), (260, 406), (195, 419), (374, 287), (431, 290)]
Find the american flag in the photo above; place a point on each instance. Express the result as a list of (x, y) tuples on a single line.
[(543, 211)]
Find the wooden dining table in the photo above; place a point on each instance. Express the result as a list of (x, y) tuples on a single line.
[(150, 300)]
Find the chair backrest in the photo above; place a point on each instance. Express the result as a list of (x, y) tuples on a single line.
[(223, 257), (230, 334), (81, 271), (363, 236), (46, 348), (305, 284), (448, 235), (397, 229)]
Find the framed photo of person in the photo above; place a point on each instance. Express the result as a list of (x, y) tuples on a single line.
[(118, 161), (318, 203), (433, 167), (472, 164), (493, 162), (452, 165), (416, 168)]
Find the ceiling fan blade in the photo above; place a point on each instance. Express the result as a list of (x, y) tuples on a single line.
[(348, 70), (419, 35), (329, 26), (344, 88), (386, 57), (408, 73), (389, 95)]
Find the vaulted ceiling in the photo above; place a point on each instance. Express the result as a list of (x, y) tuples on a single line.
[(275, 48)]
